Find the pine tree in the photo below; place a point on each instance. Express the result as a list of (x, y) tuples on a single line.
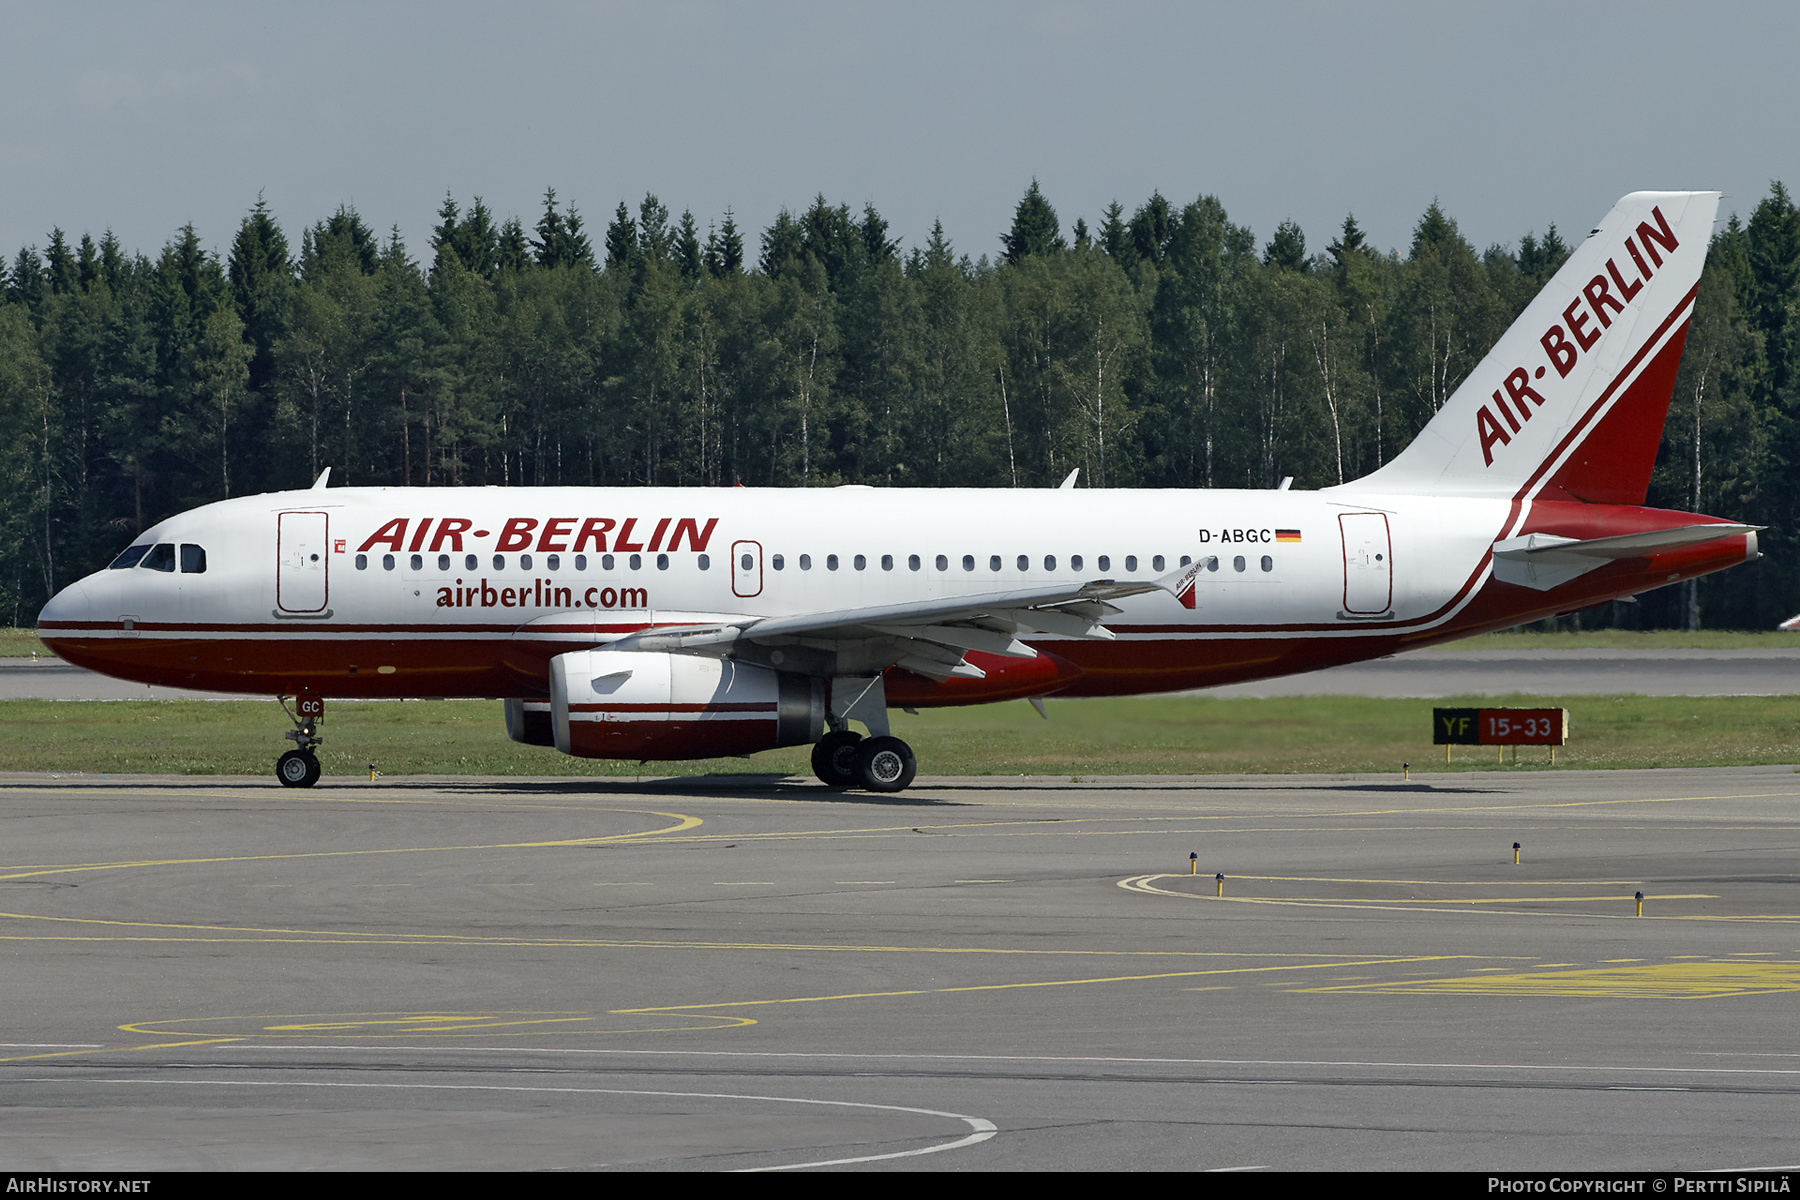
[(725, 250), (549, 241), (1288, 249), (1349, 241), (655, 242), (515, 248), (621, 240), (1115, 238), (1150, 228), (59, 263), (1035, 229), (687, 247), (261, 278)]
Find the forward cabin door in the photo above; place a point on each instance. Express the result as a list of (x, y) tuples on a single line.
[(301, 562), (1368, 563)]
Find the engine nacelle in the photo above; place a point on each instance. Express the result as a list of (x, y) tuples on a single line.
[(643, 704)]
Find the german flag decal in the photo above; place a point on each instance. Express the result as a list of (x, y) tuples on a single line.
[(1287, 535)]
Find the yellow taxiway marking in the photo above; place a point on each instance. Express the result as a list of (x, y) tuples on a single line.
[(682, 823), (388, 1025), (1049, 983), (1656, 981), (122, 1049)]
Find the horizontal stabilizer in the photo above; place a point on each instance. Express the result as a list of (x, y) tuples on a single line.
[(1546, 560)]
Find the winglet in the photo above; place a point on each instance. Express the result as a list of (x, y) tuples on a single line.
[(1179, 583)]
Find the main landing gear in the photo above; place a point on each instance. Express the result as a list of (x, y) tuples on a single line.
[(299, 767), (844, 759)]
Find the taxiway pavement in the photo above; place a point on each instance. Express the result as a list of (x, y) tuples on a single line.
[(978, 974)]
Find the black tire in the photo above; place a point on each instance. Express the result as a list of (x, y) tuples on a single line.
[(885, 764), (297, 768), (834, 758)]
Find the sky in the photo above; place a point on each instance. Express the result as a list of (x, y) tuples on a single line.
[(144, 117)]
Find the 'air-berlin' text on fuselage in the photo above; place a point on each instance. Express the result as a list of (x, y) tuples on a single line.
[(547, 535), (1582, 324)]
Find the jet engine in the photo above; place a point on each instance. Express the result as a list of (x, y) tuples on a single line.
[(643, 704)]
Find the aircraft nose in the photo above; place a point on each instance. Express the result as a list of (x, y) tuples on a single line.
[(73, 603)]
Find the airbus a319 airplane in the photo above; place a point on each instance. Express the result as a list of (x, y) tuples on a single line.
[(665, 623)]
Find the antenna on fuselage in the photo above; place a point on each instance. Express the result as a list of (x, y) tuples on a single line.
[(1070, 481), (319, 483)]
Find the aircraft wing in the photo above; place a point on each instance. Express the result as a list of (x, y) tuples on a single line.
[(929, 637)]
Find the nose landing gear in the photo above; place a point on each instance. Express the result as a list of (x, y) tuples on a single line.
[(299, 767)]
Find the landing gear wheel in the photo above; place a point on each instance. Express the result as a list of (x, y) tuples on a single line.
[(834, 758), (885, 764), (297, 768)]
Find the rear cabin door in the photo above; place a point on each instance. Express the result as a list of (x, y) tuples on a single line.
[(301, 567), (1368, 563)]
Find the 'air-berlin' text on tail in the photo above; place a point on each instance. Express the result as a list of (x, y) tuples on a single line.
[(1570, 403)]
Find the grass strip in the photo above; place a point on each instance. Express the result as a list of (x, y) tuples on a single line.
[(1177, 735)]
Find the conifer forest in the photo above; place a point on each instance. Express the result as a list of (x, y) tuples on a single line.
[(1162, 346)]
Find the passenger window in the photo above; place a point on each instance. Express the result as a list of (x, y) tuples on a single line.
[(193, 560), (470, 562), (581, 562), (1156, 564), (993, 562), (1024, 563), (387, 562), (1074, 562), (418, 562), (606, 562), (499, 563), (161, 557), (1268, 564), (1105, 562), (887, 562), (968, 562), (524, 562), (806, 562), (553, 562), (1131, 563), (912, 562), (362, 561), (1185, 560), (1049, 562), (662, 562), (831, 562), (1237, 564), (443, 562), (705, 562), (637, 562), (775, 560), (943, 563), (130, 557), (860, 562), (1212, 562)]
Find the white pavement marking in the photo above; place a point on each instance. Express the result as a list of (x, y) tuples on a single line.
[(982, 1129)]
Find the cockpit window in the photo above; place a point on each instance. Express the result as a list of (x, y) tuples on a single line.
[(130, 557), (193, 559), (160, 558)]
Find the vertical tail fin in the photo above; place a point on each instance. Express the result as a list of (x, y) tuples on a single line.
[(1570, 403)]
